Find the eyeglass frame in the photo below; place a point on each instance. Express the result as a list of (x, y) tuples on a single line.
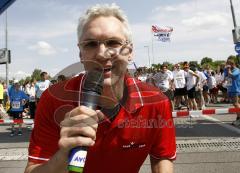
[(123, 42)]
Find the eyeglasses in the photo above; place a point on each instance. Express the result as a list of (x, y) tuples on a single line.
[(109, 43)]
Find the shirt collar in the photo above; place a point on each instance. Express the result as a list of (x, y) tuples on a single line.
[(139, 94)]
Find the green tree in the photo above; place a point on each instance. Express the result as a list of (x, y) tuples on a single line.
[(206, 60), (156, 66), (28, 78), (36, 74), (194, 64), (235, 58), (22, 81), (170, 65), (217, 63)]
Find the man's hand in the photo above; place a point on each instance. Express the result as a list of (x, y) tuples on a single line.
[(79, 128)]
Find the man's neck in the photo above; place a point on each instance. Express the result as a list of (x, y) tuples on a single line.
[(111, 95)]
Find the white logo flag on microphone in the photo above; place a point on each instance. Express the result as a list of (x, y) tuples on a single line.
[(162, 33)]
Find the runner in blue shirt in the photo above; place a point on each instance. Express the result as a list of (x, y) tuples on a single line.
[(232, 76), (17, 100)]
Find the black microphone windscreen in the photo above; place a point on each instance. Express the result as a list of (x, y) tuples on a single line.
[(92, 89)]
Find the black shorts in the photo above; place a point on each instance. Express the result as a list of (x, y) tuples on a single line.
[(180, 92), (16, 114), (191, 93), (198, 94), (205, 88), (1, 101), (221, 88)]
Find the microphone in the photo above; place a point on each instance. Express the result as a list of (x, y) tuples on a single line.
[(90, 94)]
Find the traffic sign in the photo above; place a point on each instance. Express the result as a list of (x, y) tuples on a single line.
[(237, 47)]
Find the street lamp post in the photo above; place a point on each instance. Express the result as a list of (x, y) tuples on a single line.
[(233, 14), (235, 32), (6, 45), (149, 63)]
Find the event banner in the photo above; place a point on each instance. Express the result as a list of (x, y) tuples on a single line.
[(162, 33)]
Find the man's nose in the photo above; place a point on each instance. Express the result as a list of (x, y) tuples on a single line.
[(102, 48), (103, 52)]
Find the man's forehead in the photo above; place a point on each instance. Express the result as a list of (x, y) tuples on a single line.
[(103, 27)]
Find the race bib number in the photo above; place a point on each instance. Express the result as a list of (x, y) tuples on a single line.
[(16, 104), (179, 80), (42, 87)]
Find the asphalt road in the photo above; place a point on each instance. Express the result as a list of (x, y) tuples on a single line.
[(205, 144)]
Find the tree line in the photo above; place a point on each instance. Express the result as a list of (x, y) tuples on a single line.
[(206, 61)]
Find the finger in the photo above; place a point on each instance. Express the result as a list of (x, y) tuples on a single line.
[(94, 125), (100, 116), (78, 131), (67, 122), (72, 142), (82, 118), (81, 110), (85, 120)]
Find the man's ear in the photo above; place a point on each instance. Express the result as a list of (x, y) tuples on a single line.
[(130, 58), (80, 54)]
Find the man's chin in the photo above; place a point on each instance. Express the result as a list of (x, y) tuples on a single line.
[(109, 82)]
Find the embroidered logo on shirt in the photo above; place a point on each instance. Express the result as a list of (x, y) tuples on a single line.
[(132, 145)]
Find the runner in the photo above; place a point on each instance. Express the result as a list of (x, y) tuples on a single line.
[(192, 81), (232, 76), (179, 85), (42, 85), (163, 80), (199, 90), (17, 100)]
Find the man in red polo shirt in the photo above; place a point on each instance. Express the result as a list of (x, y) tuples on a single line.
[(134, 120)]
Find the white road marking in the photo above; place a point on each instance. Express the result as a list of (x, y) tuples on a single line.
[(14, 154)]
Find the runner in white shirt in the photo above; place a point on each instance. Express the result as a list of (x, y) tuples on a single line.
[(199, 89), (163, 80), (222, 84), (212, 85), (42, 85), (192, 80), (179, 85), (31, 92)]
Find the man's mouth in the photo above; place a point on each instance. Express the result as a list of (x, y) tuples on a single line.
[(107, 69)]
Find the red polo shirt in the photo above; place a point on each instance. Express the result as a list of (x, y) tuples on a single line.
[(143, 126)]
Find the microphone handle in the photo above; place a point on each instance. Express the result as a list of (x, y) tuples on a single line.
[(78, 155), (76, 159)]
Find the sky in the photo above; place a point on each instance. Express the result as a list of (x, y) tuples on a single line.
[(42, 33)]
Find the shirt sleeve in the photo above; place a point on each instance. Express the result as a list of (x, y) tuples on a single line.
[(164, 145), (236, 73), (45, 135)]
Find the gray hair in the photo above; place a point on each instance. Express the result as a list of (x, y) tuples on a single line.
[(104, 10)]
